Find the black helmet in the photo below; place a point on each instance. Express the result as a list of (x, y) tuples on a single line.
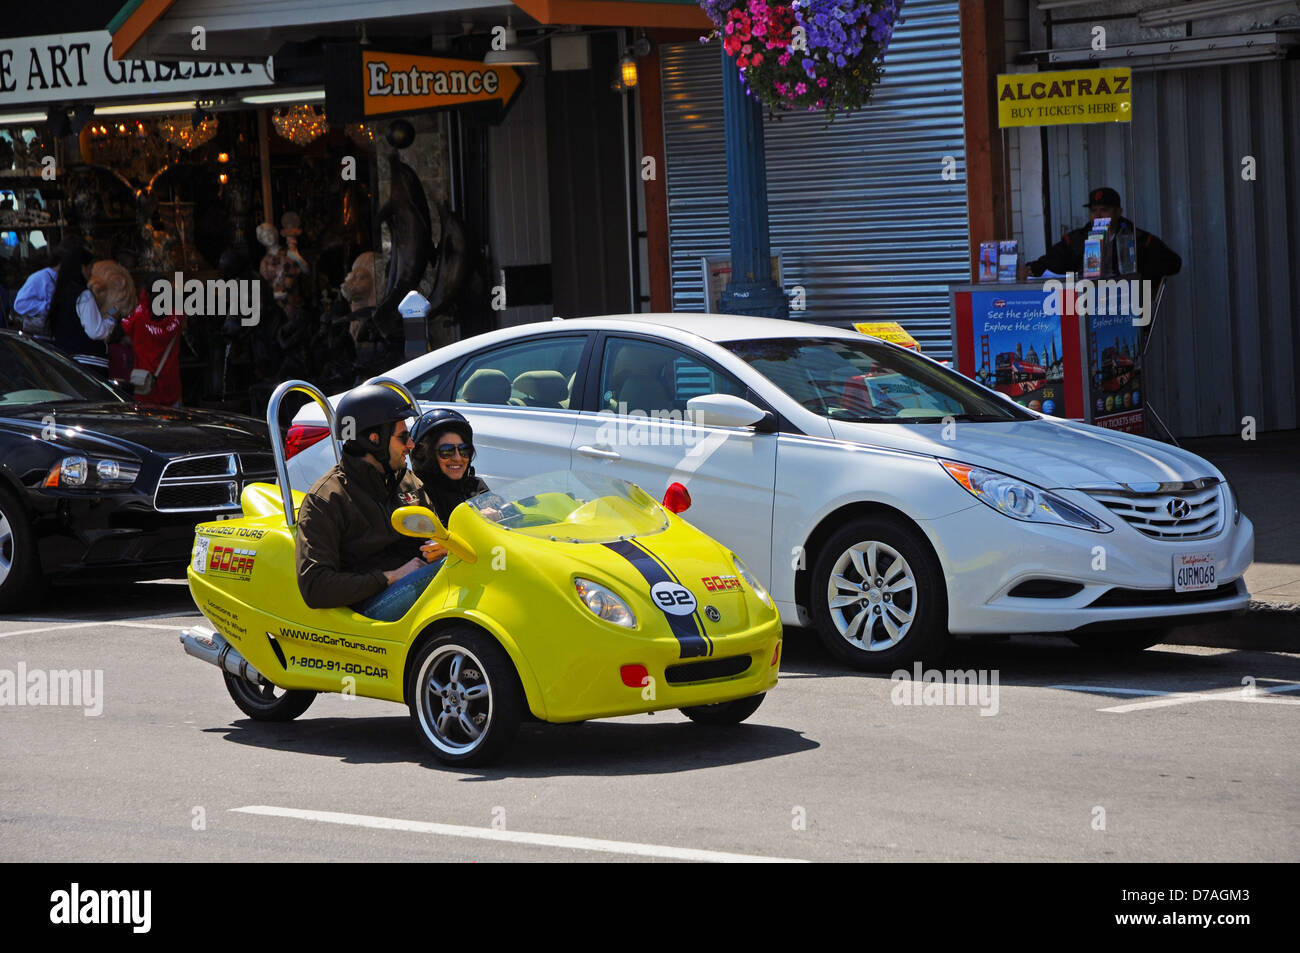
[(426, 431), (371, 408)]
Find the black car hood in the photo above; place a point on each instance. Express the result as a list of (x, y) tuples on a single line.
[(139, 428)]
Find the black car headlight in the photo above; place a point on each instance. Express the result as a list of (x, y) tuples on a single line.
[(77, 472)]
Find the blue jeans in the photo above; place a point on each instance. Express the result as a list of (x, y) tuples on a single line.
[(395, 601)]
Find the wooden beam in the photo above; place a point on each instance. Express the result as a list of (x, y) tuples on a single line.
[(137, 23), (646, 13), (658, 256), (264, 154), (983, 53)]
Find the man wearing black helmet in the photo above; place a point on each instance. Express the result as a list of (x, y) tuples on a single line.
[(347, 550)]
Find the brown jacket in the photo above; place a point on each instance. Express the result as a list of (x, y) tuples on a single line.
[(345, 542)]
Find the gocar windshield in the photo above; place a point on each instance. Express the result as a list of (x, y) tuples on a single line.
[(32, 374), (572, 507), (870, 381)]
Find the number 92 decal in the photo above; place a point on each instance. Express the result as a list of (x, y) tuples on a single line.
[(673, 598)]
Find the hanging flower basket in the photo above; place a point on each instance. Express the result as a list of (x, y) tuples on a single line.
[(807, 54)]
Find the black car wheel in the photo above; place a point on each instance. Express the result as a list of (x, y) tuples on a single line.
[(465, 697), (878, 596), (267, 703), (20, 567)]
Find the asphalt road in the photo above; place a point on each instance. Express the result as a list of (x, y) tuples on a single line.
[(1176, 754)]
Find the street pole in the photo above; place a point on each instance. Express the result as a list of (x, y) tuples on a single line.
[(751, 290)]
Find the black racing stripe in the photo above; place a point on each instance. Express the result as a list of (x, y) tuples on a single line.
[(699, 621), (683, 626)]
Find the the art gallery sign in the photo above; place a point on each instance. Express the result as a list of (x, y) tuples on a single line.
[(71, 67)]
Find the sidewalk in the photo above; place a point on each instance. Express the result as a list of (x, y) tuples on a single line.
[(1265, 475)]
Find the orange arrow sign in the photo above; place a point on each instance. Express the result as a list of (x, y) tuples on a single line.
[(405, 82)]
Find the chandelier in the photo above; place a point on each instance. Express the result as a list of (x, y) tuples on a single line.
[(360, 133), (181, 130), (299, 124)]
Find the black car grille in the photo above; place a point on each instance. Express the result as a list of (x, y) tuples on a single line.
[(1161, 597), (210, 482), (705, 671)]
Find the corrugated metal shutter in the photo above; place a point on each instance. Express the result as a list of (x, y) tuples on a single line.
[(1227, 341), (860, 212)]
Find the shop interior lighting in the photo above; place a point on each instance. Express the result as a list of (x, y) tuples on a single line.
[(272, 99), (1199, 10), (141, 109), (513, 54), (13, 119)]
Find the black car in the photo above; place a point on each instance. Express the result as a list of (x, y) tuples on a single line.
[(94, 484)]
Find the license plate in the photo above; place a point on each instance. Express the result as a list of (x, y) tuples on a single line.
[(1194, 572)]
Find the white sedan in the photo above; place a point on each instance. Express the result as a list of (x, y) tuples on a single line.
[(889, 500)]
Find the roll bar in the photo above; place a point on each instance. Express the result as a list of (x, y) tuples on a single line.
[(277, 445), (399, 387)]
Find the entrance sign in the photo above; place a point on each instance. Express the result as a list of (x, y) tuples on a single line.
[(364, 83), (1064, 98), (72, 67)]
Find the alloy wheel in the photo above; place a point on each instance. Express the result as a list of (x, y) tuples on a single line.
[(872, 596), (455, 702)]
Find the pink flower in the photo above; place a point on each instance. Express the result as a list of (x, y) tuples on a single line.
[(800, 89), (783, 59), (757, 59), (821, 81)]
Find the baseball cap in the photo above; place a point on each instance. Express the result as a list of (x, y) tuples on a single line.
[(1103, 196)]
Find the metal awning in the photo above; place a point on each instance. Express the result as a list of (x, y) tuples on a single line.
[(252, 30)]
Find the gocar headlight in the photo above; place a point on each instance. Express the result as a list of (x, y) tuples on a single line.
[(750, 580), (604, 603)]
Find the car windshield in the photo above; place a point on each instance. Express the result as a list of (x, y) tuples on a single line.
[(870, 381), (573, 507), (32, 374)]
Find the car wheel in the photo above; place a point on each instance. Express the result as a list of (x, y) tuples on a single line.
[(21, 581), (878, 596), (465, 697), (1119, 643), (267, 703), (724, 713)]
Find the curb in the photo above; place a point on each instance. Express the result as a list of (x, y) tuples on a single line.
[(1264, 627)]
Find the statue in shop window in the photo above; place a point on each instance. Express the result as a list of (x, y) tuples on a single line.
[(409, 223), (359, 290), (276, 263)]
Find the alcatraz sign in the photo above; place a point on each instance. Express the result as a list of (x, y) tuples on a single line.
[(1064, 97), (69, 67)]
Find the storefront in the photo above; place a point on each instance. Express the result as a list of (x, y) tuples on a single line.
[(1206, 163)]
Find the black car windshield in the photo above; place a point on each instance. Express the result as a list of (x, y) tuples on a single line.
[(870, 381), (33, 374)]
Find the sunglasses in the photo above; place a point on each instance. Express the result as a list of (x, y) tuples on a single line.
[(404, 436), (448, 450)]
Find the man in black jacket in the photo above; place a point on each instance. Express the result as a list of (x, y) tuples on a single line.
[(1155, 260), (347, 550)]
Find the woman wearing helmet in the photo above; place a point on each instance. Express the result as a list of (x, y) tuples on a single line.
[(441, 457)]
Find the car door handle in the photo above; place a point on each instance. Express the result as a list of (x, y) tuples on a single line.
[(602, 454)]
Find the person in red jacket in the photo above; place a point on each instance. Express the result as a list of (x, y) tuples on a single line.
[(151, 337)]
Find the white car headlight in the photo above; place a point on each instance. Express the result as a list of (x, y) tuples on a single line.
[(743, 572), (1020, 500), (1232, 503), (604, 603)]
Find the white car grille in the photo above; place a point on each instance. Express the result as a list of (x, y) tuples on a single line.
[(1170, 511)]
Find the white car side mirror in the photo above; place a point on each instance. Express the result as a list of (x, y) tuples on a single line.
[(723, 410)]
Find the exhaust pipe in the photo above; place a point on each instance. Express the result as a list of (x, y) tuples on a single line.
[(208, 646)]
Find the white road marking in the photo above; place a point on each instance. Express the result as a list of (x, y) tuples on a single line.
[(516, 837), (100, 622), (1170, 699)]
